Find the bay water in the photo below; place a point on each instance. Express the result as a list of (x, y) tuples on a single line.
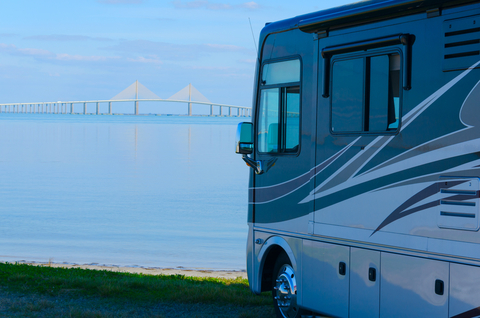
[(150, 191)]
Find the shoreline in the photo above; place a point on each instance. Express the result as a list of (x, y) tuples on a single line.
[(230, 274)]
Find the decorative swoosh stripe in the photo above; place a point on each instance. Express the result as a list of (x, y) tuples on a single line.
[(380, 182), (475, 312), (467, 117), (402, 211), (271, 193)]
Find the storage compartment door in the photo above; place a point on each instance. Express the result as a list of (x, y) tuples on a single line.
[(325, 278), (464, 290), (413, 287), (364, 283)]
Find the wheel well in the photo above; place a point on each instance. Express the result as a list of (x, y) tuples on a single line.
[(267, 272)]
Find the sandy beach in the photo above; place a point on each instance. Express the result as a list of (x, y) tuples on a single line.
[(149, 270)]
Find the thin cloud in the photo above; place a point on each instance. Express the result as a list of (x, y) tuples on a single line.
[(205, 4), (151, 59), (93, 58), (45, 55), (250, 5), (166, 51), (172, 52), (64, 38), (13, 50)]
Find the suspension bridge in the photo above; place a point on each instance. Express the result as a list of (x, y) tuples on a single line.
[(135, 94)]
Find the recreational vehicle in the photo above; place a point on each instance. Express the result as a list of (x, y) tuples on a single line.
[(365, 154)]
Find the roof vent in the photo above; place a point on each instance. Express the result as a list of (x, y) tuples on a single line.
[(461, 43)]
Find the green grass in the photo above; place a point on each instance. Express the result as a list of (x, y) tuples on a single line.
[(124, 292)]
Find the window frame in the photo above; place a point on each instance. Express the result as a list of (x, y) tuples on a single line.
[(394, 49), (281, 87)]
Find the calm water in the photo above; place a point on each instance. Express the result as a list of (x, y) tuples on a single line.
[(149, 191)]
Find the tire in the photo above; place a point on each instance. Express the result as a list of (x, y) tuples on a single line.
[(284, 289)]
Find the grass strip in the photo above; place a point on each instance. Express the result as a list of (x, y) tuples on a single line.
[(126, 286), (129, 290)]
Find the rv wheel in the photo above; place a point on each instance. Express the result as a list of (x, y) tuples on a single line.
[(284, 289)]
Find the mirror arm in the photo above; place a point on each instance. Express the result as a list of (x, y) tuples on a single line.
[(259, 166)]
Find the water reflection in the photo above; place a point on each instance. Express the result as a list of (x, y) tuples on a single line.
[(79, 189)]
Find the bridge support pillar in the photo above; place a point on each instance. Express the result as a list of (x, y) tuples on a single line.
[(97, 111), (221, 111), (211, 110), (136, 107), (230, 111), (84, 108), (110, 108)]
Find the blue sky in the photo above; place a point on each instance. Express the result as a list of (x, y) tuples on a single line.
[(92, 49)]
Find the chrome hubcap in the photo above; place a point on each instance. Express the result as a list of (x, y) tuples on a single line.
[(286, 291)]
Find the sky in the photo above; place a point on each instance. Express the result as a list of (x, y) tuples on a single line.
[(68, 50)]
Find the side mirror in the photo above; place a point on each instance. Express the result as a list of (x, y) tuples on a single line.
[(244, 138)]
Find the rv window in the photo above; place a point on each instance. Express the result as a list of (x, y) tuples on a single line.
[(292, 118), (268, 123), (281, 72), (278, 122), (365, 94), (347, 95)]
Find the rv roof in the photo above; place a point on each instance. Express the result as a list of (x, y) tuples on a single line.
[(360, 13)]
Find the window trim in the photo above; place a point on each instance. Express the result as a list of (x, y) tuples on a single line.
[(364, 55), (406, 40), (280, 86)]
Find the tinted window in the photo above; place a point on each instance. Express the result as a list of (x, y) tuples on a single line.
[(366, 94), (292, 118), (347, 95)]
